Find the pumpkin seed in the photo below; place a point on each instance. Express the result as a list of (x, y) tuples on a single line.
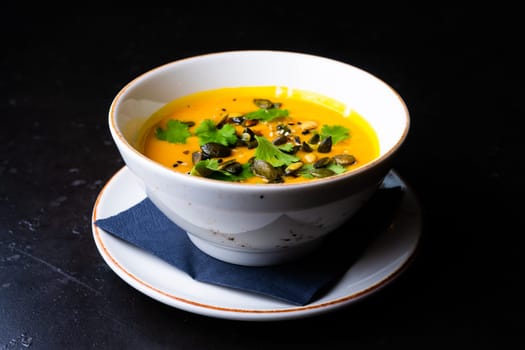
[(265, 170), (263, 103), (280, 140), (308, 125), (322, 162), (196, 157), (344, 159), (306, 147), (325, 145), (322, 172), (215, 150), (314, 139), (293, 168), (231, 166)]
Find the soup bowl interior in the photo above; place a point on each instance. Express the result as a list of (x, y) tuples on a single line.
[(251, 224)]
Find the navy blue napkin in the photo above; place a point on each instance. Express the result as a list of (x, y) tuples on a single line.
[(299, 282)]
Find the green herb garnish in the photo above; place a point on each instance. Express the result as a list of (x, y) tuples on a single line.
[(338, 132), (287, 147), (207, 132), (272, 154), (175, 132)]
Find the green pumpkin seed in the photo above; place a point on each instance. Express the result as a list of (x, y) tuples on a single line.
[(306, 147), (231, 166), (196, 157), (293, 168), (280, 140), (215, 150), (314, 139), (265, 170), (322, 162), (322, 172), (344, 159), (262, 103), (325, 145)]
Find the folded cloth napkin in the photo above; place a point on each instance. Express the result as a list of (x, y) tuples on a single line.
[(299, 282)]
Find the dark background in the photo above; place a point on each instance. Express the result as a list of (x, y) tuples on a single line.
[(457, 69)]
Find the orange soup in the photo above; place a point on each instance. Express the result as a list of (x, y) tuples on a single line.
[(259, 134)]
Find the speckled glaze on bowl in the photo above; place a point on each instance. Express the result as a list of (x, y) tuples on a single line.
[(263, 224)]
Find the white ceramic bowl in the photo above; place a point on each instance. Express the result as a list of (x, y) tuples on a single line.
[(258, 225)]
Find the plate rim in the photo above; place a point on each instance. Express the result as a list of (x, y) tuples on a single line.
[(239, 313)]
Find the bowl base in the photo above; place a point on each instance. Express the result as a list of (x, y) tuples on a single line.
[(254, 257)]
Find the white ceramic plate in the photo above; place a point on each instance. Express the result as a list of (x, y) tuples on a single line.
[(380, 264)]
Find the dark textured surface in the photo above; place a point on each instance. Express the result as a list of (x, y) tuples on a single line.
[(459, 75)]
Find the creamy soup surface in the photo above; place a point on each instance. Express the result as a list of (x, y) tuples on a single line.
[(259, 134)]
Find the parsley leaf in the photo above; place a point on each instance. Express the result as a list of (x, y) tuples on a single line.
[(287, 147), (207, 132), (267, 114), (336, 168), (175, 132), (338, 132), (272, 154)]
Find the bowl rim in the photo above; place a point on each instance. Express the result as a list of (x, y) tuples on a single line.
[(119, 137)]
